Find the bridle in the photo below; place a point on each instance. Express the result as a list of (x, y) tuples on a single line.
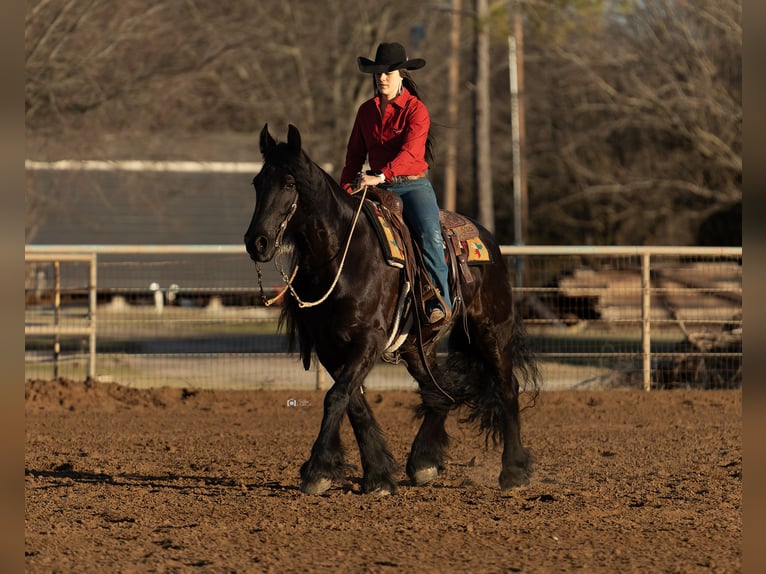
[(278, 260), (283, 226)]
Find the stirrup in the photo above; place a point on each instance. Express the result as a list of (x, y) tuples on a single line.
[(436, 315)]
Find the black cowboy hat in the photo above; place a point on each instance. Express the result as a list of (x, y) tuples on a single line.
[(389, 57)]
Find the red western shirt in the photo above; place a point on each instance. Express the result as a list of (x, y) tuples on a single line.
[(394, 143)]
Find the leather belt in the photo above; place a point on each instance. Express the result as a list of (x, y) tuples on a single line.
[(402, 178)]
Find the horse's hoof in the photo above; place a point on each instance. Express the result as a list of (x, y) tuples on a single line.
[(425, 475), (513, 481), (316, 487), (381, 492)]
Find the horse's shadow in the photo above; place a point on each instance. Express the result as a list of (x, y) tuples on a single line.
[(181, 482)]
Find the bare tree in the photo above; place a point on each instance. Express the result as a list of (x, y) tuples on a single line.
[(644, 123), (129, 71), (633, 109), (195, 65)]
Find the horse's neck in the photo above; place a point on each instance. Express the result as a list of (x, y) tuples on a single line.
[(325, 221)]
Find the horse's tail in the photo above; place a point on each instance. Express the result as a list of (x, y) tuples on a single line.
[(472, 382), (526, 370)]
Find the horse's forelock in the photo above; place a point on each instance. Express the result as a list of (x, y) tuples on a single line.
[(283, 155), (300, 165)]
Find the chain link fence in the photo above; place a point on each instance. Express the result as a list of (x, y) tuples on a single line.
[(191, 316)]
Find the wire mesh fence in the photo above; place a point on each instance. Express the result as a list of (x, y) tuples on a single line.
[(150, 316)]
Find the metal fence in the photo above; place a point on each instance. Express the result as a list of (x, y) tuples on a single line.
[(181, 315)]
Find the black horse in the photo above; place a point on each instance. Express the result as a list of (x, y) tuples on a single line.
[(354, 294)]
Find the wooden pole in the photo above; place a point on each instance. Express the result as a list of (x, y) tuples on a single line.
[(519, 37), (483, 119), (515, 70), (450, 173)]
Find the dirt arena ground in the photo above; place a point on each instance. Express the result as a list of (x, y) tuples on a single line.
[(174, 480)]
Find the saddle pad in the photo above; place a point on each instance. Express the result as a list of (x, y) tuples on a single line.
[(389, 242), (476, 252)]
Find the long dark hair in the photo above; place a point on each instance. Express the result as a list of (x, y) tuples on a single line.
[(412, 87)]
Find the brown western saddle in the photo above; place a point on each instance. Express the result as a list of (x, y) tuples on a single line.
[(461, 240)]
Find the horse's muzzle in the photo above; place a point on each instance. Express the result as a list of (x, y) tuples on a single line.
[(259, 247)]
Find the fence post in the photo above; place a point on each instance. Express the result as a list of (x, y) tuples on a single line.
[(92, 304), (646, 298), (56, 317)]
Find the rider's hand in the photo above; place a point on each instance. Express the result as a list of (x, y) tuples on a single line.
[(371, 180)]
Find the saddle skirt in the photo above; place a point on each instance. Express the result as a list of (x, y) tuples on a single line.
[(466, 236)]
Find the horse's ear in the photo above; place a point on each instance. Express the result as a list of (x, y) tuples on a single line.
[(267, 142), (294, 139)]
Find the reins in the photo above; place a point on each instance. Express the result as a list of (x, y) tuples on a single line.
[(289, 280)]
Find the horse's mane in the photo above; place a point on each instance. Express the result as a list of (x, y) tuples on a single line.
[(302, 167)]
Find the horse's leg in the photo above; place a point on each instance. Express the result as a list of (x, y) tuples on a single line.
[(495, 340), (377, 461), (429, 448), (480, 373), (516, 461), (426, 459), (326, 461)]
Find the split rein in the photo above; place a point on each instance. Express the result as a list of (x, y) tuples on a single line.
[(289, 280)]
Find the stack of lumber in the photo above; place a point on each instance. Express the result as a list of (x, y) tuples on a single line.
[(709, 291)]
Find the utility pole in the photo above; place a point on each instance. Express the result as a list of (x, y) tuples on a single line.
[(516, 71), (483, 120), (450, 173)]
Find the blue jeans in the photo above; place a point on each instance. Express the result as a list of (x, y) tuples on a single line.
[(421, 214)]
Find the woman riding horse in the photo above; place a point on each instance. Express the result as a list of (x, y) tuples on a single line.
[(391, 131)]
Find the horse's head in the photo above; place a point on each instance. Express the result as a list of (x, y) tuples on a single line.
[(276, 193)]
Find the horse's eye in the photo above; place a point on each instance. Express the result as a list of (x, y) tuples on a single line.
[(290, 185)]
